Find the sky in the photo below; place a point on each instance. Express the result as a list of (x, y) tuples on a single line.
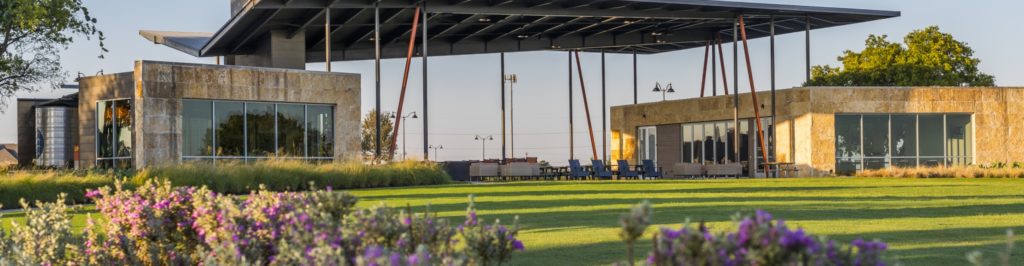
[(465, 90)]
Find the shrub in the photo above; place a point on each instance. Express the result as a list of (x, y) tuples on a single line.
[(758, 240), (946, 172), (281, 175), (48, 185), (158, 224)]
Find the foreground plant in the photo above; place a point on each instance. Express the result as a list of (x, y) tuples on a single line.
[(158, 224), (758, 240)]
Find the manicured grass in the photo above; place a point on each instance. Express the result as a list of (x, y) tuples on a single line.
[(926, 221)]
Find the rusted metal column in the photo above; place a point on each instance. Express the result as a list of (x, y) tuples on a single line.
[(753, 94), (704, 73), (721, 56), (586, 104), (405, 85)]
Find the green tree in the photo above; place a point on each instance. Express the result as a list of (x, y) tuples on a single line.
[(32, 34), (929, 58), (369, 134)]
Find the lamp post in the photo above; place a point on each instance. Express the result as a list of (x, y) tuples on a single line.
[(435, 148), (512, 79), (404, 118), (483, 146), (664, 92)]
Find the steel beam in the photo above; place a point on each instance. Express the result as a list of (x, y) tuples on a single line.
[(376, 30), (753, 96), (327, 38), (426, 109), (586, 105), (704, 70), (604, 109), (503, 115), (636, 84), (774, 130), (572, 139), (807, 50), (736, 93), (405, 85)]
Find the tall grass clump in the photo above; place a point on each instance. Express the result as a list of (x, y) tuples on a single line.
[(945, 172), (281, 175), (48, 185)]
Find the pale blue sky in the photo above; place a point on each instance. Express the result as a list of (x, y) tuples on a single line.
[(465, 89)]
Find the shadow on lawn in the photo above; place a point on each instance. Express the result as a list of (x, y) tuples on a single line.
[(609, 252)]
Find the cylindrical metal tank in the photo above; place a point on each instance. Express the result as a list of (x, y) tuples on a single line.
[(54, 136)]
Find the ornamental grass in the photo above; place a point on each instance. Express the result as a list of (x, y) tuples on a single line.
[(945, 172)]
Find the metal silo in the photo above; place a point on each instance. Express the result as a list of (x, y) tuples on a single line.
[(55, 136)]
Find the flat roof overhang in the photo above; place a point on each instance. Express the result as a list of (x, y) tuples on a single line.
[(460, 27)]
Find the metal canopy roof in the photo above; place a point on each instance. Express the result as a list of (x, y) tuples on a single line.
[(458, 27)]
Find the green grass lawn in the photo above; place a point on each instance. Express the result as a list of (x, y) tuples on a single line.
[(926, 221)]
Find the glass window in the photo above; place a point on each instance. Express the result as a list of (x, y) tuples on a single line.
[(904, 140), (930, 135), (197, 128), (123, 115), (730, 141), (320, 131), (709, 143), (875, 141), (260, 127), (698, 143), (230, 119), (721, 136), (687, 143), (745, 140), (847, 136), (291, 130), (958, 140), (105, 129)]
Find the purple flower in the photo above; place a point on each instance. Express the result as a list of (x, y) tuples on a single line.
[(92, 193), (518, 245), (671, 234), (407, 221)]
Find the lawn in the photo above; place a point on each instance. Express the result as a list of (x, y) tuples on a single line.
[(926, 221)]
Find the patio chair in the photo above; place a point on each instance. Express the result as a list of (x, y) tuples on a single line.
[(650, 171), (625, 171), (576, 170), (600, 172)]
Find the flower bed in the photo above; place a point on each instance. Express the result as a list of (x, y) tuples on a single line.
[(159, 224)]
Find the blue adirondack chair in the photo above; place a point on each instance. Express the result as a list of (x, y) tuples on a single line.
[(625, 171), (650, 171), (576, 170), (600, 171)]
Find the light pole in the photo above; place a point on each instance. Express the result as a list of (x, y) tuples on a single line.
[(664, 92), (483, 146), (435, 148), (404, 118), (512, 79)]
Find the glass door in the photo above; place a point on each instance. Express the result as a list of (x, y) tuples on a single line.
[(647, 144)]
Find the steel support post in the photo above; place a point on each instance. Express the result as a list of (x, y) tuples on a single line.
[(571, 128), (376, 47), (771, 138), (604, 109), (503, 115), (327, 38), (426, 110)]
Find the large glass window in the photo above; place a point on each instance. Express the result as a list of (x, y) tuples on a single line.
[(902, 140), (648, 143), (320, 131), (114, 133), (197, 128), (260, 127), (698, 143), (216, 131), (230, 134), (687, 143)]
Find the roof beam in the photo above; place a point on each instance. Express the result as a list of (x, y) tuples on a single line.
[(335, 30), (255, 30)]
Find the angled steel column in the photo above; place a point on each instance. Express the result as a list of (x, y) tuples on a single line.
[(771, 136), (327, 38), (376, 48), (736, 93), (502, 78), (704, 72), (721, 57), (426, 125), (571, 136), (405, 85), (807, 46), (586, 104), (604, 110), (753, 96)]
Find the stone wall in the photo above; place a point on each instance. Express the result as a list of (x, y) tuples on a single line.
[(92, 89), (157, 90), (805, 131)]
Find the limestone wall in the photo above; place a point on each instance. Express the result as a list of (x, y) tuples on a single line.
[(157, 90), (805, 130)]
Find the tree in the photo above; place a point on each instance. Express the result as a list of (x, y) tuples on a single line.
[(32, 34), (929, 58), (369, 142)]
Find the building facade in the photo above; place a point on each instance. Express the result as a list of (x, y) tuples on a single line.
[(169, 113), (829, 130)]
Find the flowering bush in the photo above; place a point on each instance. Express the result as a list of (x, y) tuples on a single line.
[(158, 224), (758, 240)]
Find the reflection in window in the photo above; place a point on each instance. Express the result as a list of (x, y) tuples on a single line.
[(698, 143), (114, 134), (197, 128), (235, 132), (230, 119), (648, 143), (687, 143), (260, 127), (290, 130), (902, 140), (320, 131)]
